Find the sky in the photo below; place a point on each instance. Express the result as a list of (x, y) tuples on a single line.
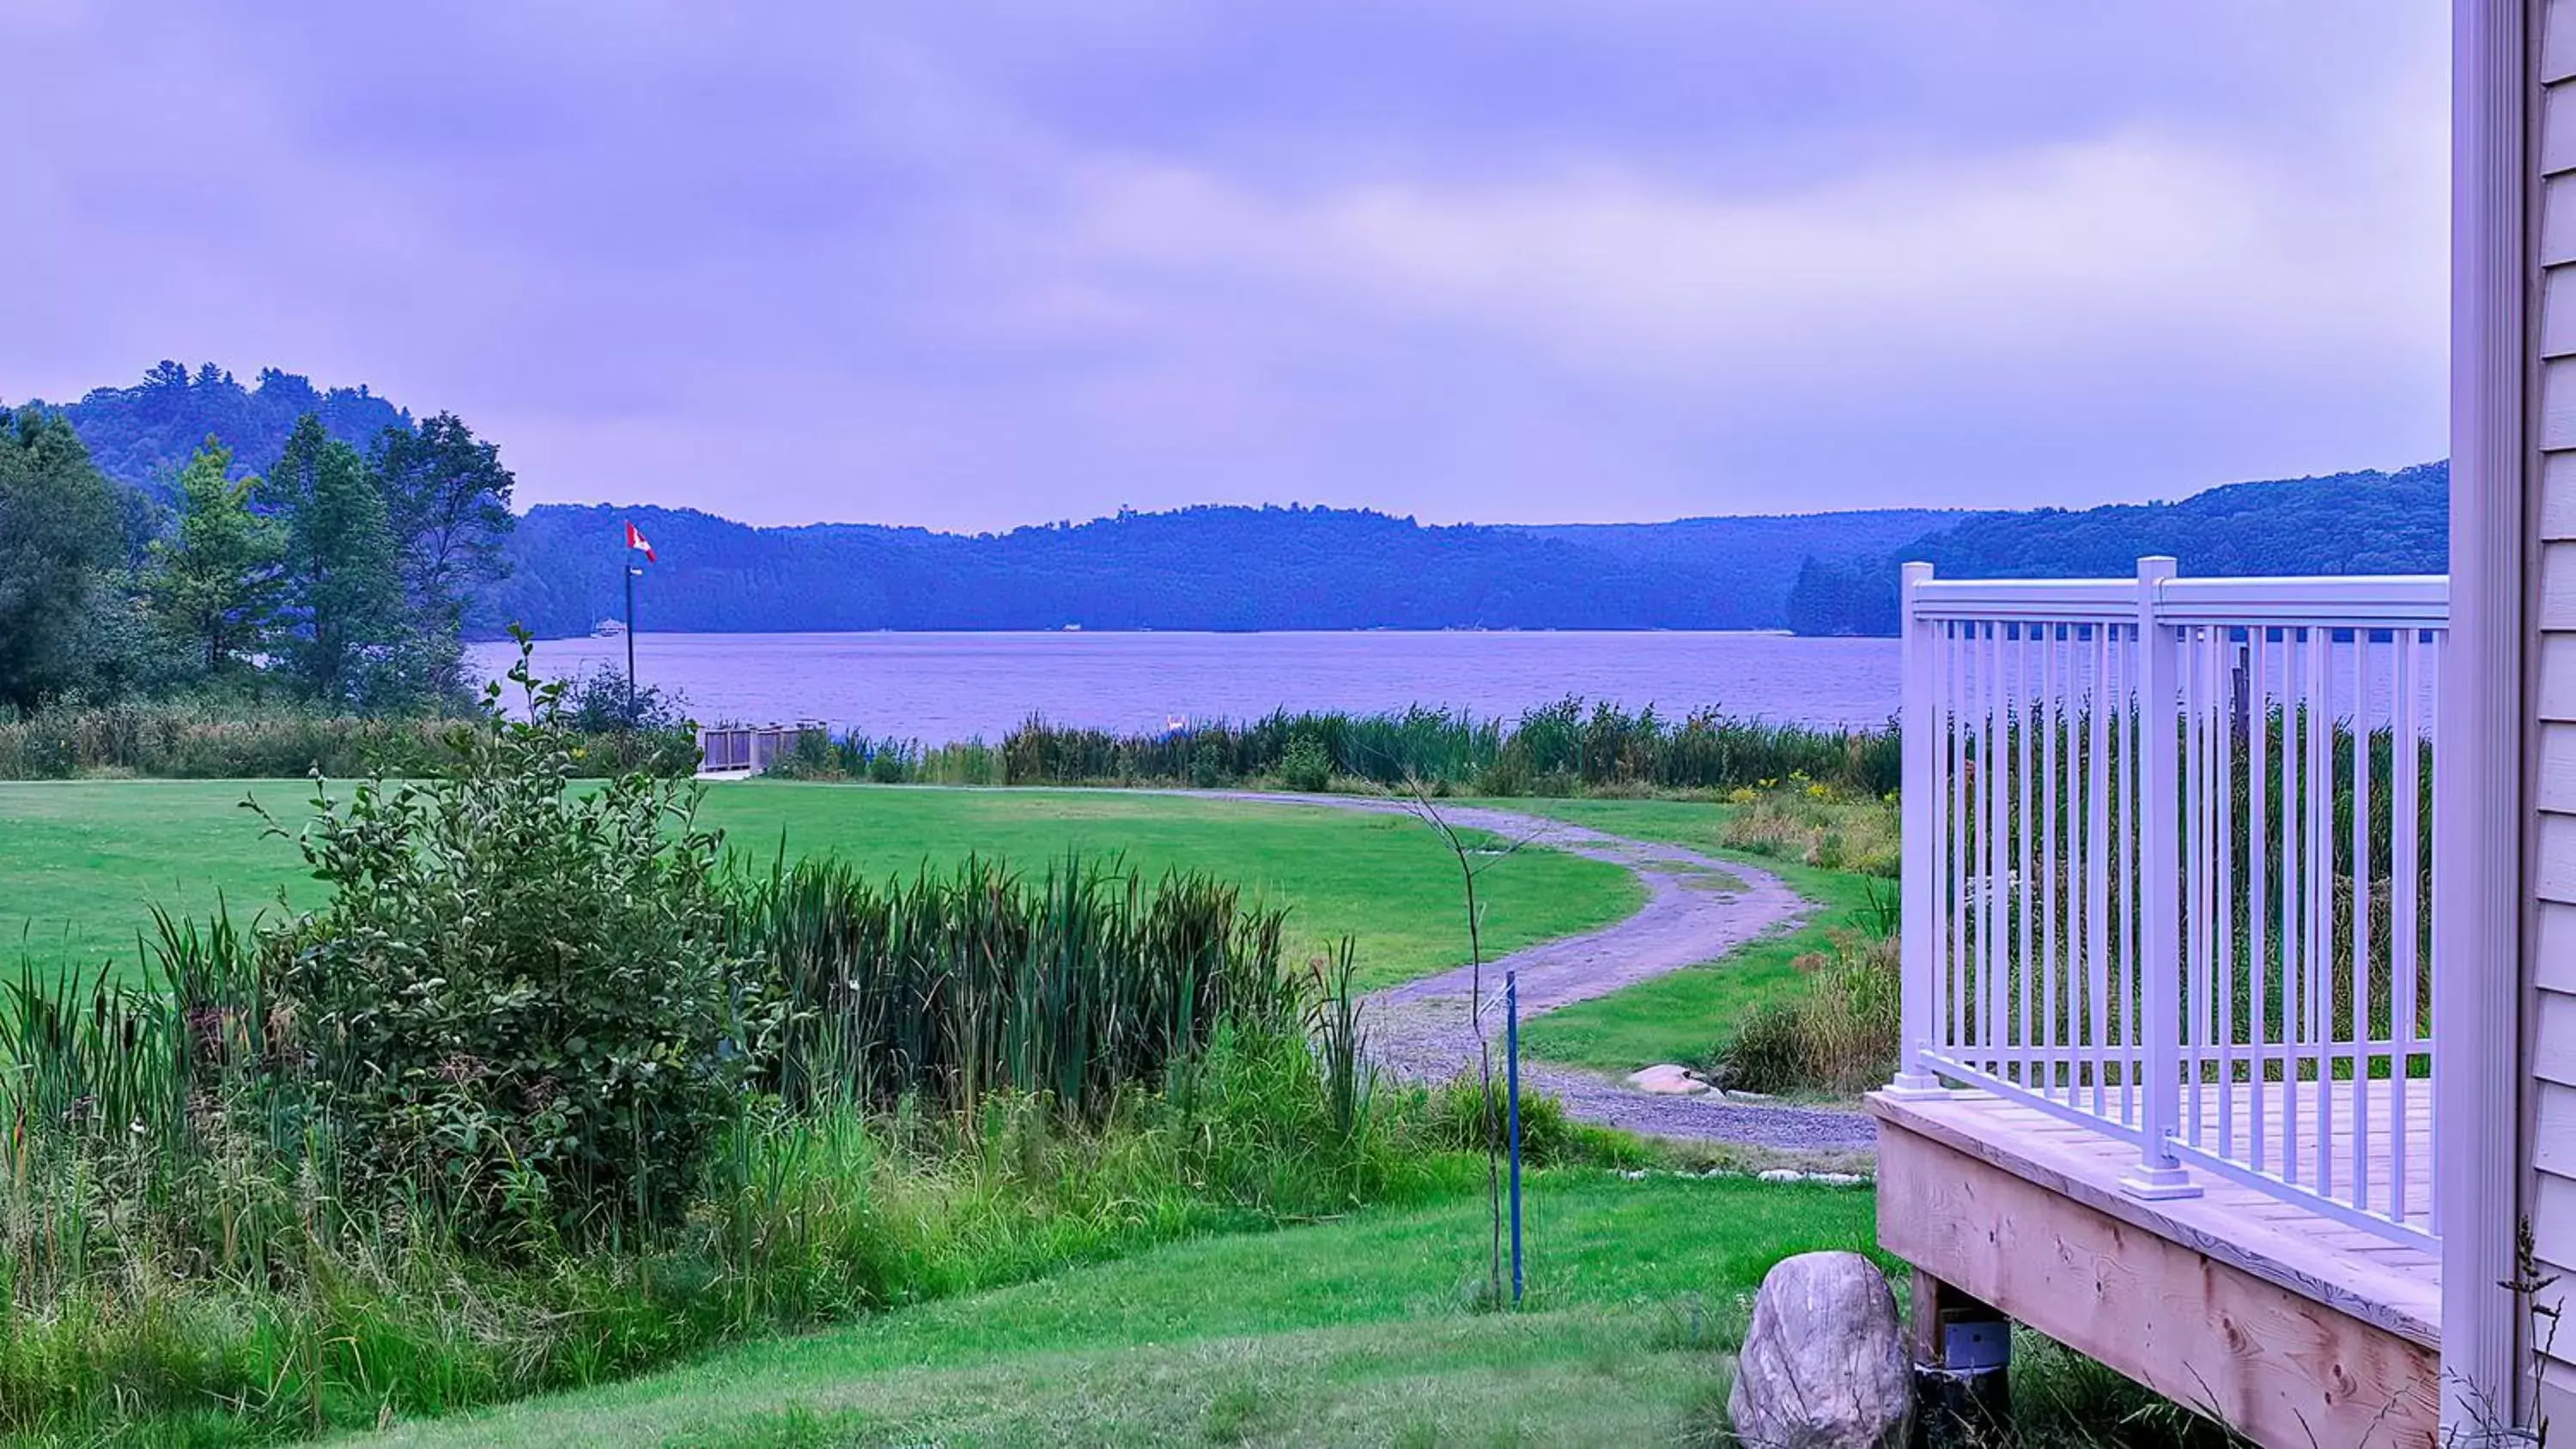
[(970, 265)]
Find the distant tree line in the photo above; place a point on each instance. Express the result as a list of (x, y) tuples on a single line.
[(2349, 523), (318, 569), (1205, 568)]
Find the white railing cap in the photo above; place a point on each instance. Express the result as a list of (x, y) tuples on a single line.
[(2418, 599), (2069, 600), (2382, 600)]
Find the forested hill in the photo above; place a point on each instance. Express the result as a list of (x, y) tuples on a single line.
[(1313, 568), (1223, 568), (143, 435), (1253, 568), (2347, 523)]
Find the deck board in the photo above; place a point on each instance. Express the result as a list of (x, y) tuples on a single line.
[(2392, 1286)]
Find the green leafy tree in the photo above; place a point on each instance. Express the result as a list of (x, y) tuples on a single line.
[(351, 639), (59, 537), (218, 582), (447, 498)]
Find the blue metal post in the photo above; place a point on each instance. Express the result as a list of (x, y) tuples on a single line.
[(1512, 1086)]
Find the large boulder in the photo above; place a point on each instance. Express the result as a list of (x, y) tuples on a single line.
[(1824, 1364)]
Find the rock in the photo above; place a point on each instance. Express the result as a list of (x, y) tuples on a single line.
[(1781, 1174), (1823, 1365), (1667, 1080)]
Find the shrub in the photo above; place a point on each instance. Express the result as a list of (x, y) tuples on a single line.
[(515, 1004), (1306, 765), (605, 701), (1840, 1036)]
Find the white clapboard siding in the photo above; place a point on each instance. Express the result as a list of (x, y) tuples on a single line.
[(2550, 946)]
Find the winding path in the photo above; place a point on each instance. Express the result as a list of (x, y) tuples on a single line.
[(1422, 1029)]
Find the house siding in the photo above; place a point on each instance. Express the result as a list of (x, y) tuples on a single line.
[(2549, 941)]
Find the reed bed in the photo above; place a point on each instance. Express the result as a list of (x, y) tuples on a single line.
[(1556, 749), (1073, 984), (209, 741)]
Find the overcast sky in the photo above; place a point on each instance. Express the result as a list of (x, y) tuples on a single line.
[(970, 265)]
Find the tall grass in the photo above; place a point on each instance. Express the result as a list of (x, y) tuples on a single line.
[(949, 986), (232, 741), (1554, 749), (978, 1076)]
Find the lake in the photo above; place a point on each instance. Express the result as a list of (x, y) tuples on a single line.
[(942, 687)]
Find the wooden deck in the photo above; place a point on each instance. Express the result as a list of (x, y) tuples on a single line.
[(2288, 1324)]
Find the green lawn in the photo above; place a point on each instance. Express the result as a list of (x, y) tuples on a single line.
[(1355, 1332), (80, 863), (1683, 1017)]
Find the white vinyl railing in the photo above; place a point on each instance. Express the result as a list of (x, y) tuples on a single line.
[(2167, 871)]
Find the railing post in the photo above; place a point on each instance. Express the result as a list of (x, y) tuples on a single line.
[(1918, 889), (2159, 1174)]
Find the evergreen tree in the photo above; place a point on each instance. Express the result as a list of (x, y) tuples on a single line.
[(351, 639), (217, 584), (59, 537)]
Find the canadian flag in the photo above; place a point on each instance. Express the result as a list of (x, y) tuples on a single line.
[(636, 541)]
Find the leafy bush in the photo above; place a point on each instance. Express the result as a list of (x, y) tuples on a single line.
[(602, 702), (516, 1003), (1306, 766)]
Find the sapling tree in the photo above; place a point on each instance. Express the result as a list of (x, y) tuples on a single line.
[(1474, 859)]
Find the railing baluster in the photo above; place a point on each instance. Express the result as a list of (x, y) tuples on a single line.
[(2322, 899), (1990, 770), (2294, 888), (2047, 892), (2023, 878), (2097, 860), (1956, 803), (2405, 813), (2223, 666), (2258, 685), (2361, 730), (2196, 912)]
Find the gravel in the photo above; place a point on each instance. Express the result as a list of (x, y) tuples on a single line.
[(1697, 909)]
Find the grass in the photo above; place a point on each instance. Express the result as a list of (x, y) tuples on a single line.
[(1351, 1332), (80, 862), (1686, 1015)]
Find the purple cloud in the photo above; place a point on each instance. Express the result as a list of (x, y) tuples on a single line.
[(971, 264)]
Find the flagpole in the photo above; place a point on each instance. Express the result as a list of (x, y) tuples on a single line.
[(629, 566)]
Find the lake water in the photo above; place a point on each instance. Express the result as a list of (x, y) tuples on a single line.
[(942, 687)]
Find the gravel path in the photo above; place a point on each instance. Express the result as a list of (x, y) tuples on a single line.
[(1697, 909)]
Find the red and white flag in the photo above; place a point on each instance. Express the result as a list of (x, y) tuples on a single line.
[(636, 541)]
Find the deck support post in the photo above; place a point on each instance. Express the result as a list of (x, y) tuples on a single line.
[(2159, 1174), (1962, 1366), (1919, 892)]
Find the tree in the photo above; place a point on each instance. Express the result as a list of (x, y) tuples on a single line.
[(59, 536), (349, 632), (218, 583), (447, 498)]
